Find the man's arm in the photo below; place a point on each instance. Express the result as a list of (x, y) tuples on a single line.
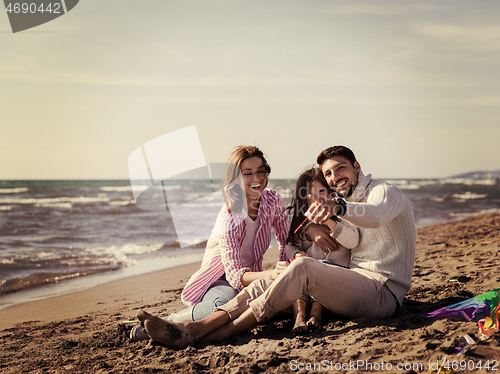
[(384, 203)]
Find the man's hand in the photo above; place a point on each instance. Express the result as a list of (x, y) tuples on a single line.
[(321, 210), (320, 234)]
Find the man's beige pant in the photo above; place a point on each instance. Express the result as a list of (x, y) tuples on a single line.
[(343, 291)]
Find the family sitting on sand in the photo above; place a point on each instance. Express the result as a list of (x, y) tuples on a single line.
[(354, 255)]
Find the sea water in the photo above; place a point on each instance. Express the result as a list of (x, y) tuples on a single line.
[(64, 236)]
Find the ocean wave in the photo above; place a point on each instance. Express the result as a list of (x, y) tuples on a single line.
[(471, 181), (413, 184), (122, 203), (139, 187), (208, 197), (405, 184), (116, 188), (39, 260), (469, 196), (438, 199), (120, 254), (175, 187), (88, 258), (13, 190), (62, 282), (5, 207), (54, 202), (56, 205), (214, 204), (143, 187), (41, 279), (193, 242)]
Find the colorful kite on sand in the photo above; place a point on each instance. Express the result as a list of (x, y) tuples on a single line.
[(486, 303)]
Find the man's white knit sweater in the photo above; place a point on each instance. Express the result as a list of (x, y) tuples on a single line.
[(386, 251)]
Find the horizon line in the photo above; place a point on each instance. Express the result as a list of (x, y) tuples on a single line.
[(270, 179)]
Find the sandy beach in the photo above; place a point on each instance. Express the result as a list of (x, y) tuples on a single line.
[(85, 331)]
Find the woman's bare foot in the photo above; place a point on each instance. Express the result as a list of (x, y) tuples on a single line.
[(172, 335)]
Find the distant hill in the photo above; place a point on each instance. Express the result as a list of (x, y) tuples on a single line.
[(479, 174)]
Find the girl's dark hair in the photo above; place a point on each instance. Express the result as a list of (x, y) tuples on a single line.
[(233, 195), (299, 206)]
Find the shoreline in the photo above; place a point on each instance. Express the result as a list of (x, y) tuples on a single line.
[(73, 304), (96, 298), (87, 331), (83, 283)]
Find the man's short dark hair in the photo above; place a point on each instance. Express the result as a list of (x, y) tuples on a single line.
[(338, 150)]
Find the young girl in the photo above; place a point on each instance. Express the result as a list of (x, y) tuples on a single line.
[(240, 237), (312, 182)]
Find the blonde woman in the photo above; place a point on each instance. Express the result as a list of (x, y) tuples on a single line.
[(240, 237)]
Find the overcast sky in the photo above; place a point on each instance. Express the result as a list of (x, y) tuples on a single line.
[(413, 87)]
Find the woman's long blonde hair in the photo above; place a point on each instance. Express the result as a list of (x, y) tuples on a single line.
[(233, 195)]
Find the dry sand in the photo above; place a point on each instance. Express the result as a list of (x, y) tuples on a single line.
[(82, 332)]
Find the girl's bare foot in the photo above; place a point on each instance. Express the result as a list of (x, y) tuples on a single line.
[(300, 311), (300, 324), (172, 335), (315, 316), (313, 323)]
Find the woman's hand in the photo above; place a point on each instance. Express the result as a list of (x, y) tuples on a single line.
[(301, 254), (251, 276), (280, 267), (320, 234)]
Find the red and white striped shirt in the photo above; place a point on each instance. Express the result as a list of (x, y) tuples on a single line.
[(223, 252)]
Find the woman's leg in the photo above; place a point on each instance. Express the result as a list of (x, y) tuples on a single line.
[(182, 334), (229, 319), (245, 321), (219, 293)]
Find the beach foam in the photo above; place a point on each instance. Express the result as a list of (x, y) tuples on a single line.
[(13, 190)]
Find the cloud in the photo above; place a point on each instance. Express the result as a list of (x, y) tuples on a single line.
[(477, 38), (379, 9), (358, 9)]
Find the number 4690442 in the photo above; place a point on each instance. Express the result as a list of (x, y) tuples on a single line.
[(33, 8)]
